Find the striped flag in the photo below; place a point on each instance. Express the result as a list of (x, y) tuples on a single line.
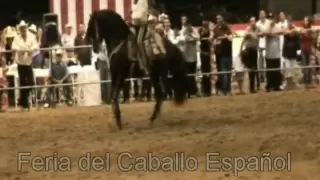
[(78, 12)]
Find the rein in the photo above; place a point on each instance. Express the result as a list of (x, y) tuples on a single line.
[(97, 36)]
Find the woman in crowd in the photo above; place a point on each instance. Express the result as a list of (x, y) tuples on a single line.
[(306, 50), (205, 57)]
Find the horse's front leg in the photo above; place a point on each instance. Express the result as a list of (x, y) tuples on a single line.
[(158, 88), (116, 86)]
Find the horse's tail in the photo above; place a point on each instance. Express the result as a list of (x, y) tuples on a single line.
[(178, 72)]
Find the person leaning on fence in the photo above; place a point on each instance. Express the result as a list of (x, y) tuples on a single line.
[(249, 55), (306, 50), (223, 52), (273, 56), (291, 44), (37, 55), (24, 45), (3, 82), (59, 74)]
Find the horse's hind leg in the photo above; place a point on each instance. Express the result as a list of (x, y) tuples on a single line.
[(157, 81), (116, 86)]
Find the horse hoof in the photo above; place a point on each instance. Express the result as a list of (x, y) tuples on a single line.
[(119, 127), (150, 124)]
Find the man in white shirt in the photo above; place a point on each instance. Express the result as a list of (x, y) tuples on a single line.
[(262, 26), (67, 38), (283, 24), (189, 45), (24, 45)]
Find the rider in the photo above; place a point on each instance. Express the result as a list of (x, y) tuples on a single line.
[(141, 10), (154, 37)]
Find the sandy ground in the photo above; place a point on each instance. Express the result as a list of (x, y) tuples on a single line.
[(287, 125)]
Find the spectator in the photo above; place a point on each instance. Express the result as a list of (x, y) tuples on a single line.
[(262, 25), (39, 35), (71, 60), (24, 44), (205, 56), (37, 58), (190, 37), (59, 75), (83, 54), (306, 48), (3, 71), (291, 44), (283, 24), (223, 52), (67, 38), (273, 56), (249, 53), (9, 34)]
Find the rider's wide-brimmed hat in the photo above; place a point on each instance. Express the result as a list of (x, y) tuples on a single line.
[(163, 16)]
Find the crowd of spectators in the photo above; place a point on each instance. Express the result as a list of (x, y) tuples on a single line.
[(272, 42)]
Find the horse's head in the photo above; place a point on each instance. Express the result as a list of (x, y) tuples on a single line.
[(93, 35)]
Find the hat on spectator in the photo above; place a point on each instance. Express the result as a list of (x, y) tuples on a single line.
[(33, 28), (22, 24), (152, 18), (163, 16), (68, 25), (59, 52), (9, 32)]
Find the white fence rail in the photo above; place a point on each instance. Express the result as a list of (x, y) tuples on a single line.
[(146, 78)]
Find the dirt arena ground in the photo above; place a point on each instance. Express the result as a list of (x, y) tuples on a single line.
[(247, 126)]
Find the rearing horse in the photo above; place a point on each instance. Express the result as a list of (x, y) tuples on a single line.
[(109, 26)]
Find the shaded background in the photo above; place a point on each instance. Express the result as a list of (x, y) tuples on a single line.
[(12, 11)]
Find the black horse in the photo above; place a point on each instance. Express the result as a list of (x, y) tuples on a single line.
[(109, 26)]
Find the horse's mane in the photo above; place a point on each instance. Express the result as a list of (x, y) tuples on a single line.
[(111, 24)]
